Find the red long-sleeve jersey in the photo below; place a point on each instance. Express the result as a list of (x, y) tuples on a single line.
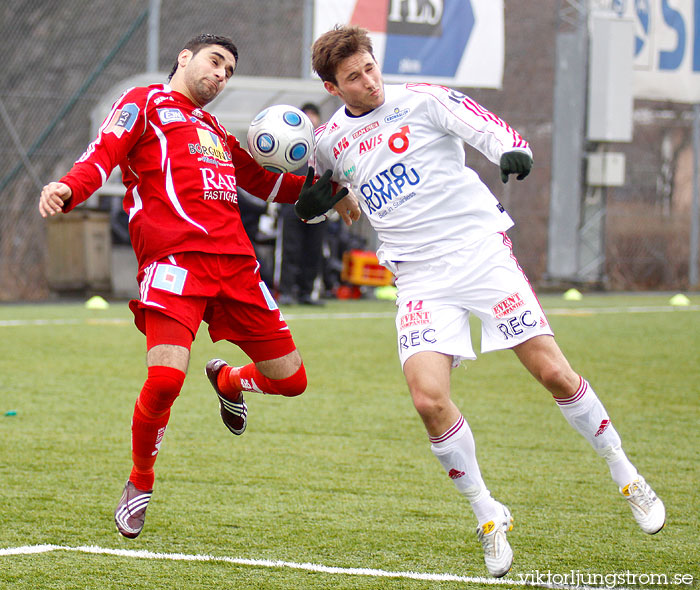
[(180, 168)]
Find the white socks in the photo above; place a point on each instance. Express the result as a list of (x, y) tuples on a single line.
[(586, 414), (456, 452)]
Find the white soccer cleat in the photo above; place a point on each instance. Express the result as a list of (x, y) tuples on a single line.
[(646, 506), (497, 552)]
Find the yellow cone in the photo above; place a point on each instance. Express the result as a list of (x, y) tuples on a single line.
[(387, 293), (679, 299), (572, 295), (96, 302)]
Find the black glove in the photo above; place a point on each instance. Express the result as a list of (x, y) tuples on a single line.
[(515, 163), (316, 198)]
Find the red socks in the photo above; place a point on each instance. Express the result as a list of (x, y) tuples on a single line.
[(151, 415), (232, 380), (152, 410)]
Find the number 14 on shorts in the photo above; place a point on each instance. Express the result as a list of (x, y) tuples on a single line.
[(415, 305)]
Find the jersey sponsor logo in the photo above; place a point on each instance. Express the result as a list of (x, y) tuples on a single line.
[(417, 338), (396, 115), (123, 119), (508, 305), (416, 318), (218, 187), (399, 142), (360, 132), (216, 195), (349, 172), (370, 143), (171, 116), (341, 145), (517, 325), (387, 187), (210, 146), (169, 277)]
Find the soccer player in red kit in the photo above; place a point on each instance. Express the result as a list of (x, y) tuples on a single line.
[(181, 170)]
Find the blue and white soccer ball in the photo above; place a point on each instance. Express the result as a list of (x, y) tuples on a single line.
[(281, 138)]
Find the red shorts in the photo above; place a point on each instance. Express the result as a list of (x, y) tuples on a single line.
[(225, 291)]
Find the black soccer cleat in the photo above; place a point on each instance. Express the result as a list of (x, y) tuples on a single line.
[(234, 413)]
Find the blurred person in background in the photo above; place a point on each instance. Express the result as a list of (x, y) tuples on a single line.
[(254, 212), (301, 245)]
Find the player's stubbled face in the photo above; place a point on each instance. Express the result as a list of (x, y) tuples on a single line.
[(359, 83), (207, 72)]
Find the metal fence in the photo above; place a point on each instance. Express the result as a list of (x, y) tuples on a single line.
[(61, 57)]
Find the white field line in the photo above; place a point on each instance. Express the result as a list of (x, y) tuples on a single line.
[(310, 567), (562, 311)]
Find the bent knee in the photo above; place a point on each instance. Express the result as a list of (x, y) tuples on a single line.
[(160, 390), (293, 385), (429, 404), (559, 379)]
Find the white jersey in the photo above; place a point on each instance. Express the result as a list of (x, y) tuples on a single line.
[(405, 161)]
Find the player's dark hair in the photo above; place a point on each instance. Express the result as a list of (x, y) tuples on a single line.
[(310, 107), (204, 40), (334, 46)]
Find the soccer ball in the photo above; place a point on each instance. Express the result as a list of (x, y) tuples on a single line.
[(281, 138)]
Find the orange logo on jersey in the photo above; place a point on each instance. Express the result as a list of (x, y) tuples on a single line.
[(210, 145)]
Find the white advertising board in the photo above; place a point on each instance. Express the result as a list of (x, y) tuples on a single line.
[(452, 42)]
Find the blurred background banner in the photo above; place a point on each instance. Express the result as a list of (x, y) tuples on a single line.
[(666, 48), (453, 42)]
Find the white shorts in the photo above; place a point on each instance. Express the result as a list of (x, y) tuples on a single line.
[(435, 298)]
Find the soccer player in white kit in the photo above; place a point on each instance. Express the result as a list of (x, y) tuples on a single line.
[(442, 232)]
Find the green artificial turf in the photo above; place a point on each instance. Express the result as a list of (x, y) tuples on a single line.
[(342, 476)]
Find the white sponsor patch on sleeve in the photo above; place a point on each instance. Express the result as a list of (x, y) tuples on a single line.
[(170, 115)]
